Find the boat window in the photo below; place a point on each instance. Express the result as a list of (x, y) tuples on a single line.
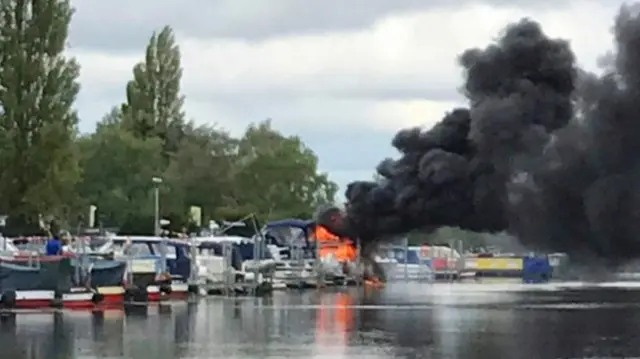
[(139, 249), (286, 236), (398, 255), (170, 249), (411, 256)]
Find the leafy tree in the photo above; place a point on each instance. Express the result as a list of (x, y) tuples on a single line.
[(118, 171), (111, 119), (154, 101), (278, 176), (38, 87), (201, 171)]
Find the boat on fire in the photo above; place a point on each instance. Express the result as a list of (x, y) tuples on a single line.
[(307, 255)]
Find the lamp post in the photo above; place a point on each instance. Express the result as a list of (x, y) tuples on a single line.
[(156, 216)]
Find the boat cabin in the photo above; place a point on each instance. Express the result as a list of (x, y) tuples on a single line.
[(176, 251), (290, 234), (243, 249)]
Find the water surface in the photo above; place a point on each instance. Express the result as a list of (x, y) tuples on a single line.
[(401, 321)]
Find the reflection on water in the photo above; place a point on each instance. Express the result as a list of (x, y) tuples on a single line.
[(421, 321)]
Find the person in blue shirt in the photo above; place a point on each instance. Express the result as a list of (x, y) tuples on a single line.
[(54, 246)]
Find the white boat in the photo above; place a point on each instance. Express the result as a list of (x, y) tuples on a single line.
[(224, 261), (405, 263)]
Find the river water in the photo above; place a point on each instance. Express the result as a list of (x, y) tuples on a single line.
[(402, 321)]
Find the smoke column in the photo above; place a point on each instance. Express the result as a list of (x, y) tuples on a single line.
[(544, 151)]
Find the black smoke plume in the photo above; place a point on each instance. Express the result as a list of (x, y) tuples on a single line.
[(543, 151)]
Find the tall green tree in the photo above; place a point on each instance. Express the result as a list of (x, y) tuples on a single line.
[(38, 87), (154, 101), (277, 175), (117, 177)]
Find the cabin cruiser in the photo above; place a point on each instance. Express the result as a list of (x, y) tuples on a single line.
[(155, 264), (224, 261), (29, 278), (290, 243), (401, 262)]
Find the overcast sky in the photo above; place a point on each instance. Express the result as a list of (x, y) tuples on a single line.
[(344, 75)]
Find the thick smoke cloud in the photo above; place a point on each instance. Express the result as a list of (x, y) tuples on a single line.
[(543, 151)]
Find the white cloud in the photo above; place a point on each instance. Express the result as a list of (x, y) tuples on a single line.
[(400, 72)]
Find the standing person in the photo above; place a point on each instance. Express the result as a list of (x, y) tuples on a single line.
[(54, 246)]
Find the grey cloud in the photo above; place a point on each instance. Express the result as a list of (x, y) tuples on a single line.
[(265, 98), (125, 25), (120, 24)]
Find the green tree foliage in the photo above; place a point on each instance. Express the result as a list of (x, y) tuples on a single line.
[(154, 101), (117, 172), (201, 171), (38, 86), (47, 169), (277, 175)]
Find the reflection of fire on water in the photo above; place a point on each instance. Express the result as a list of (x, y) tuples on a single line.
[(334, 321)]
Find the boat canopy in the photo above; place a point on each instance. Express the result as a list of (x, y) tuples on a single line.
[(289, 233)]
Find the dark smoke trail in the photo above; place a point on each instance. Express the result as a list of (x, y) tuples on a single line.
[(554, 165)]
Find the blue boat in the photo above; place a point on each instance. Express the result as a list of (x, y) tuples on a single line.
[(39, 273), (102, 272)]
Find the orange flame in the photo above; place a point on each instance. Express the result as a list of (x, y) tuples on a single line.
[(342, 248)]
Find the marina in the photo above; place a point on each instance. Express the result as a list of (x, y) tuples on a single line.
[(289, 254)]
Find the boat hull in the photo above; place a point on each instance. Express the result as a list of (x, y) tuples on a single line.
[(105, 273), (51, 274)]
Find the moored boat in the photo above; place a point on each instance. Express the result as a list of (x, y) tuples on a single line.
[(41, 281), (158, 267), (226, 262), (304, 259)]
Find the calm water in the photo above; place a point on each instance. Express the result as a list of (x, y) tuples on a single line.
[(402, 321)]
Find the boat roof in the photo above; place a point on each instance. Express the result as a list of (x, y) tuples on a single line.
[(147, 239), (291, 222), (222, 239)]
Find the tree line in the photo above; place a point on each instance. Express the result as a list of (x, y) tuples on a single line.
[(48, 169)]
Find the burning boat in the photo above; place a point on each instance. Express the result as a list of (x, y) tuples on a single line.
[(307, 254)]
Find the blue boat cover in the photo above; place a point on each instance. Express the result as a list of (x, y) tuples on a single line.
[(536, 269)]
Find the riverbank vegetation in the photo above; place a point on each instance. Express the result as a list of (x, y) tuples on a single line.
[(47, 168)]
